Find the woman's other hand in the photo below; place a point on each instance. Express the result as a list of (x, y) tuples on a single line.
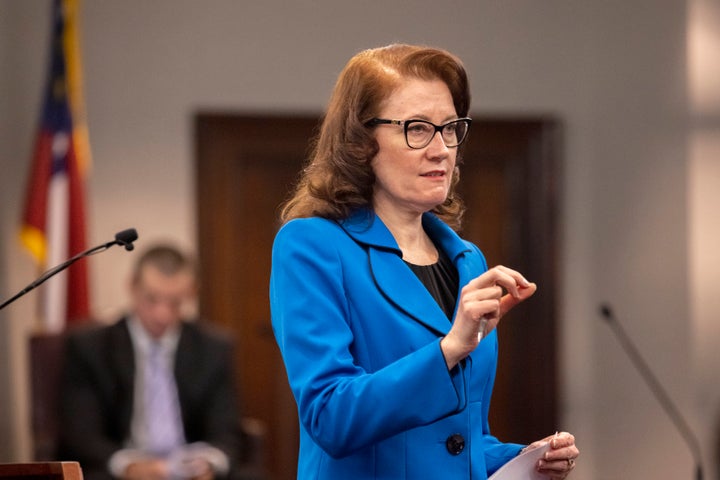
[(559, 461)]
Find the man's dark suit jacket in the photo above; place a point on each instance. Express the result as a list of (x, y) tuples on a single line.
[(98, 384)]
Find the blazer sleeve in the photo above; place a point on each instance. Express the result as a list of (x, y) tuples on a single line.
[(343, 406)]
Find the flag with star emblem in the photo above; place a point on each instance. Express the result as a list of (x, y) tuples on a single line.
[(53, 223)]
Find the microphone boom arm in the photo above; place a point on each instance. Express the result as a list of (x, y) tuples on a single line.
[(654, 384), (125, 238)]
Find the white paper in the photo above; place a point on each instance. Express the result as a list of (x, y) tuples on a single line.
[(522, 467)]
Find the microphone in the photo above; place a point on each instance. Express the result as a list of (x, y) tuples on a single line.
[(124, 238), (658, 391)]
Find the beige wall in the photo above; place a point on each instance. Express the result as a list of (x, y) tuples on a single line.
[(704, 197), (641, 174)]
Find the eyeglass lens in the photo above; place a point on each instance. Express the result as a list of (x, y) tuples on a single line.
[(420, 133)]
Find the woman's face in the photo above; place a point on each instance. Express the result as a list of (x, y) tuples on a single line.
[(413, 181)]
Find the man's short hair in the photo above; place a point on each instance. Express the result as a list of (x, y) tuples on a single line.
[(169, 260)]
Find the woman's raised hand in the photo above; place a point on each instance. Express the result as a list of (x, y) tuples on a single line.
[(489, 296)]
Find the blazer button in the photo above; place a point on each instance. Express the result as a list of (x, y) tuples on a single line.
[(455, 444)]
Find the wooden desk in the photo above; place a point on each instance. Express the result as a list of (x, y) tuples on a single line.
[(41, 471)]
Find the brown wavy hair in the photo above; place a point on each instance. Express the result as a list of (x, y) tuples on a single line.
[(338, 178)]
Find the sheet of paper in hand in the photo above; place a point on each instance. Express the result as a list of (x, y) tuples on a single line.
[(522, 467)]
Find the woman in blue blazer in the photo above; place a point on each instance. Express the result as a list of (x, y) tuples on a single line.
[(384, 316)]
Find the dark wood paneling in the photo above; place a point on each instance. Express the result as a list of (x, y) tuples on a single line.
[(509, 183)]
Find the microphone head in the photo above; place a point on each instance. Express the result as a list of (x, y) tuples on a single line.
[(606, 311), (126, 237)]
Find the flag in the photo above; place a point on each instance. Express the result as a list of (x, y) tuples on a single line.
[(53, 223)]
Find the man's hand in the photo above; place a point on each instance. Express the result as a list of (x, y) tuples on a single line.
[(150, 469)]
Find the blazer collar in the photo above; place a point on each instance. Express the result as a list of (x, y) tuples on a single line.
[(366, 227), (394, 278)]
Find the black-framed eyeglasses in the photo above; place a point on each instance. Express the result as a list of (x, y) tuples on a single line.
[(419, 133)]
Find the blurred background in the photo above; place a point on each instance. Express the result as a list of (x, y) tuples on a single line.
[(634, 85)]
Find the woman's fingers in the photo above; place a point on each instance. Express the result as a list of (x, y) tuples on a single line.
[(471, 295), (476, 311), (482, 304), (507, 278), (507, 302), (559, 461)]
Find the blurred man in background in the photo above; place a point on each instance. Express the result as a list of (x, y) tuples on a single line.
[(151, 396)]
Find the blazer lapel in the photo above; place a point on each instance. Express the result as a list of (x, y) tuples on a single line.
[(395, 279), (402, 287), (188, 373), (457, 249), (122, 358)]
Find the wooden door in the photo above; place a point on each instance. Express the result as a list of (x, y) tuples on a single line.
[(246, 166), (509, 182)]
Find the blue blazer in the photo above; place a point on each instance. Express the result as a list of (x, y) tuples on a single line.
[(360, 338)]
